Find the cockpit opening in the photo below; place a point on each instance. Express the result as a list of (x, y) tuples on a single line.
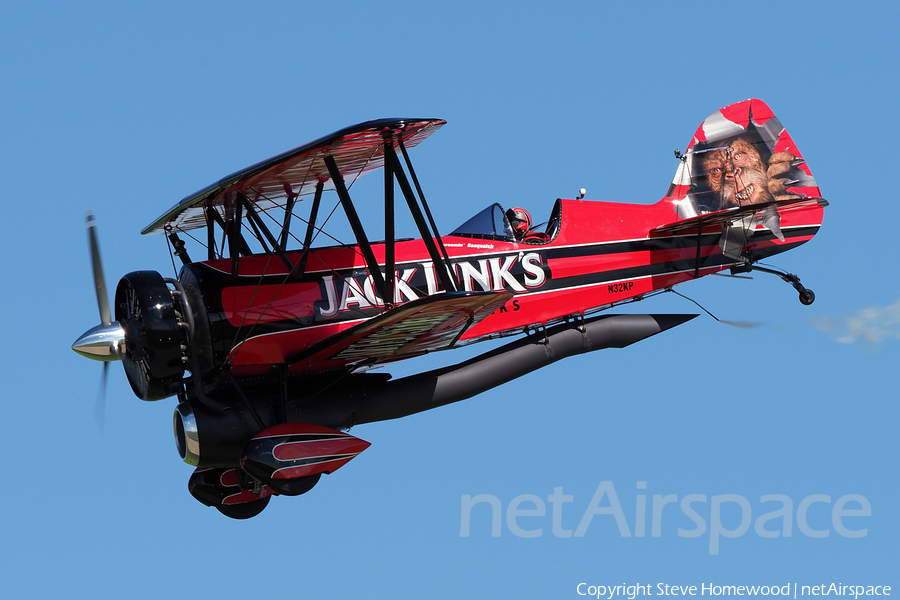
[(513, 225)]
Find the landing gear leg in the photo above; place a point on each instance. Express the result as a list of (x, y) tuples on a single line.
[(807, 296)]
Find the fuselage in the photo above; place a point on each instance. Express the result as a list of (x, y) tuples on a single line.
[(601, 253)]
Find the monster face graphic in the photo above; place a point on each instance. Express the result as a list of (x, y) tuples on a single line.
[(740, 155)]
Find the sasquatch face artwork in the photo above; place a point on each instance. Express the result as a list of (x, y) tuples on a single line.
[(737, 175)]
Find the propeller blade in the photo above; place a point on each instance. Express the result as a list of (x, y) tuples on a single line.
[(99, 280), (100, 405)]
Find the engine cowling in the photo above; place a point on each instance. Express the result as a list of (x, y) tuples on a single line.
[(153, 354)]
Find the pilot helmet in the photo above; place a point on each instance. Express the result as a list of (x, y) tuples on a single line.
[(519, 220)]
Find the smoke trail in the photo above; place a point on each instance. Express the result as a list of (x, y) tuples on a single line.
[(740, 324), (869, 327)]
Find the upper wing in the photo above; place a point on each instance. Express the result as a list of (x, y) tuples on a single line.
[(423, 325), (356, 151), (730, 215)]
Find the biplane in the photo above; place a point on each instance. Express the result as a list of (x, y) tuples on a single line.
[(268, 337)]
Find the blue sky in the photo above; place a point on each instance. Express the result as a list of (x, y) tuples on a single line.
[(126, 110)]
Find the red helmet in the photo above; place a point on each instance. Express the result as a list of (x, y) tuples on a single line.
[(520, 221)]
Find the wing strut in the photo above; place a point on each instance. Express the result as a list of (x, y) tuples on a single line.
[(178, 248), (356, 225), (259, 226), (236, 242), (389, 235), (212, 216), (288, 211), (443, 271), (434, 228), (310, 227)]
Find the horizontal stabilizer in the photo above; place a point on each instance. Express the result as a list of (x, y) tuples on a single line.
[(730, 215)]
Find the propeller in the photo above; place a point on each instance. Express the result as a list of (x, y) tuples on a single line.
[(100, 403), (97, 265), (104, 342)]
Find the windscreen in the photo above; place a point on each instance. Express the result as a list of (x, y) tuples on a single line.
[(489, 224)]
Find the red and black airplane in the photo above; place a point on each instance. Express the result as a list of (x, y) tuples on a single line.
[(268, 342)]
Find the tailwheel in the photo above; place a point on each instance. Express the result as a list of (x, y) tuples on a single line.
[(153, 340), (807, 296)]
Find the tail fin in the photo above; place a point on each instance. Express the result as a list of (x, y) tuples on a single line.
[(740, 155)]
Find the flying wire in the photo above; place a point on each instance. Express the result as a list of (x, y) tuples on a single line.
[(188, 233), (236, 348), (313, 252), (700, 306)]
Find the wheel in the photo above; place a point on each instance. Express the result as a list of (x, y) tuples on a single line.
[(246, 510), (153, 353), (807, 297), (212, 487), (294, 487)]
